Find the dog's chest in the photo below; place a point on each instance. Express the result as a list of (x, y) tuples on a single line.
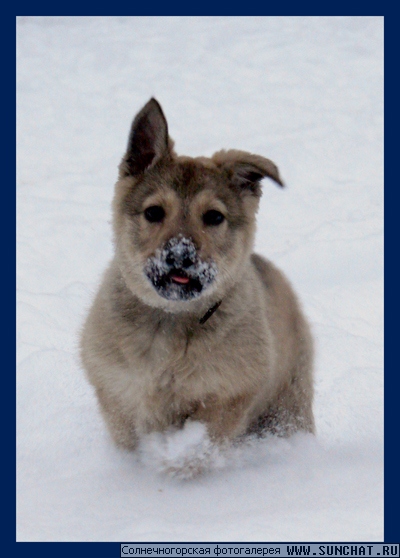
[(174, 359), (168, 375), (180, 357)]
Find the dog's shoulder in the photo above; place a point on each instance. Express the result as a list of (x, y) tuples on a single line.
[(275, 282), (266, 271), (261, 264)]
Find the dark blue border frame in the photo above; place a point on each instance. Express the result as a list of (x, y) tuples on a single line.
[(8, 275)]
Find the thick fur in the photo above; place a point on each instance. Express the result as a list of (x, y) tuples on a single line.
[(150, 355)]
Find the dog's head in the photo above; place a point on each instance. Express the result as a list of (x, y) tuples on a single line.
[(184, 227)]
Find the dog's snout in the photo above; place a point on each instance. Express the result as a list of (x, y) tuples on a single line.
[(180, 253), (177, 270)]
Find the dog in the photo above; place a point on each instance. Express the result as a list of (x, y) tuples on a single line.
[(188, 324)]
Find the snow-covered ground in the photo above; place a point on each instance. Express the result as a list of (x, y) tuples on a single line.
[(306, 92)]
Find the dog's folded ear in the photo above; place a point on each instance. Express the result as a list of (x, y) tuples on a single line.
[(148, 140), (247, 170)]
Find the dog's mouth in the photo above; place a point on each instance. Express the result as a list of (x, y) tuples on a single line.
[(177, 284), (179, 276)]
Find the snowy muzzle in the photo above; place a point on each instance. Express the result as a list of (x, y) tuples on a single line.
[(177, 272)]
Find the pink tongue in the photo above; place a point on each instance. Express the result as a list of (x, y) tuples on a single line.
[(179, 279)]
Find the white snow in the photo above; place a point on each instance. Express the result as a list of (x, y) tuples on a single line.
[(306, 92)]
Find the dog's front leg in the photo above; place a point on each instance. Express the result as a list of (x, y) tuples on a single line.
[(192, 450), (119, 421), (226, 419)]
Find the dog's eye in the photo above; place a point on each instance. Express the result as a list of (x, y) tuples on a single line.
[(154, 214), (213, 217)]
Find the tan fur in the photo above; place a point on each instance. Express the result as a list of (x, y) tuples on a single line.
[(248, 368)]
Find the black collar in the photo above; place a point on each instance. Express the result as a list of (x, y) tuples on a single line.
[(209, 313)]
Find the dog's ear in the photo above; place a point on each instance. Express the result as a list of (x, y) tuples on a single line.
[(246, 170), (148, 140)]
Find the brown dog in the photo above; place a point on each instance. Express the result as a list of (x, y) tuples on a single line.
[(188, 323)]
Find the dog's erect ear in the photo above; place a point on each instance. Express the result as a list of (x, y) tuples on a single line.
[(148, 140), (247, 170)]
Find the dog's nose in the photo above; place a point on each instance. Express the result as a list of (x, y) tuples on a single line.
[(178, 260), (187, 262), (180, 253)]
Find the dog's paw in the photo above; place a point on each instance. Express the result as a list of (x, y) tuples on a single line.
[(182, 454)]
